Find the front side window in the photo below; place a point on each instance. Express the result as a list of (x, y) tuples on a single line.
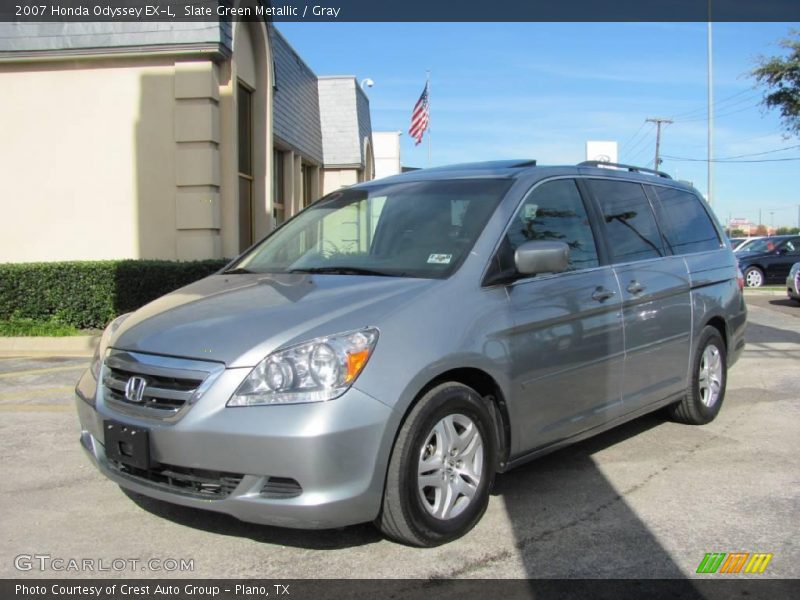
[(554, 211), (629, 222), (415, 229), (685, 221), (760, 245)]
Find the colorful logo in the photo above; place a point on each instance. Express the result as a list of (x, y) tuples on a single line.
[(735, 562)]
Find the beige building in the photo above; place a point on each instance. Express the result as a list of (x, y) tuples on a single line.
[(177, 141)]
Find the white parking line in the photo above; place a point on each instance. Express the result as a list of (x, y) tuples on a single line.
[(10, 396), (39, 371)]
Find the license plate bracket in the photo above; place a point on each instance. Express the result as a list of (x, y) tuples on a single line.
[(127, 444)]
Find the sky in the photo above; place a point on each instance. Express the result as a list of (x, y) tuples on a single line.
[(541, 90)]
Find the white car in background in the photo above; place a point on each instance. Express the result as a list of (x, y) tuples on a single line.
[(793, 283), (743, 245)]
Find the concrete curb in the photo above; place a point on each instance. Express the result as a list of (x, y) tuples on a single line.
[(75, 345), (763, 292)]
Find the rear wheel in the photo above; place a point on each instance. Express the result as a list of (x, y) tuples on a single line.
[(442, 468), (753, 277), (707, 384)]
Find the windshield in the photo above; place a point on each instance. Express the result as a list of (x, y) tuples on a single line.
[(415, 229), (760, 245)]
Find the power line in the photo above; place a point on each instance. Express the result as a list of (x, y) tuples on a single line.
[(748, 107), (747, 139), (760, 153), (634, 157), (716, 104), (704, 113), (634, 135), (729, 158), (716, 160), (642, 139)]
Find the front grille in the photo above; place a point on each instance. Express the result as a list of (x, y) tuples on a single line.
[(160, 393), (281, 487), (194, 482), (169, 386)]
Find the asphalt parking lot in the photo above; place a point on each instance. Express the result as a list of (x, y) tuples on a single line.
[(648, 499)]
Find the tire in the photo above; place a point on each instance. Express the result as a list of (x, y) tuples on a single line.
[(704, 398), (443, 418), (753, 277)]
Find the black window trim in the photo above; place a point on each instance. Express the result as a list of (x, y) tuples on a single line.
[(666, 250), (591, 213), (656, 201)]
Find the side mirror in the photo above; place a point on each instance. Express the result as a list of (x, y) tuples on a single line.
[(534, 257)]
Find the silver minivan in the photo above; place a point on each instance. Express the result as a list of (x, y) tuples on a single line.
[(383, 354)]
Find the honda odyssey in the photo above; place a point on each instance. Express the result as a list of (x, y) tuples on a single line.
[(386, 352)]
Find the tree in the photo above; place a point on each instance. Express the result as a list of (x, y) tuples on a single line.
[(761, 230), (781, 77), (787, 230)]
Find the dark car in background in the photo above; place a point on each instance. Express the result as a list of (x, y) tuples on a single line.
[(769, 259)]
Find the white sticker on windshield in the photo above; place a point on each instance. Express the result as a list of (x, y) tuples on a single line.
[(440, 259), (530, 211)]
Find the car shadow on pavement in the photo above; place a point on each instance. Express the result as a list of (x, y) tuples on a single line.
[(222, 524), (786, 302), (571, 522), (764, 334)]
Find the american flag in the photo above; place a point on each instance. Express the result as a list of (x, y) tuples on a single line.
[(420, 117)]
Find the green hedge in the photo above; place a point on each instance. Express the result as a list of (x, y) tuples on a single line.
[(89, 294)]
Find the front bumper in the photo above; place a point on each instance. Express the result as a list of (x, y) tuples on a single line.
[(793, 286), (337, 452)]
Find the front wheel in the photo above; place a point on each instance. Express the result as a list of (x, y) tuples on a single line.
[(442, 468), (707, 383), (753, 277)]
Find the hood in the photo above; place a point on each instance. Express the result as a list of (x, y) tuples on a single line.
[(239, 319)]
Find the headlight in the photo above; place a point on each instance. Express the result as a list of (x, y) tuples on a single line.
[(102, 346), (315, 371)]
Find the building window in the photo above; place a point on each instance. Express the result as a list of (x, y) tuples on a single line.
[(308, 188), (245, 134), (278, 188)]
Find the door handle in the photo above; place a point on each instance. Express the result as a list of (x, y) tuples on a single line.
[(602, 294), (634, 287)]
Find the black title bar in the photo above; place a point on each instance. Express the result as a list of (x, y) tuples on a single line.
[(33, 11), (396, 589)]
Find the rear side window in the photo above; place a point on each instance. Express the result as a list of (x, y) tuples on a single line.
[(630, 225), (791, 247), (685, 221), (554, 211)]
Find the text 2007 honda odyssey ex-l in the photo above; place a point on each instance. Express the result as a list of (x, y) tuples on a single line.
[(386, 352)]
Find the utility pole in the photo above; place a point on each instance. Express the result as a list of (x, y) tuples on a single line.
[(710, 112), (658, 123)]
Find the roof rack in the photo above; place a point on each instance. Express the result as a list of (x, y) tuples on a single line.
[(633, 169)]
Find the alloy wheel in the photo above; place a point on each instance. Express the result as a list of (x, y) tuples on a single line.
[(709, 379), (450, 466)]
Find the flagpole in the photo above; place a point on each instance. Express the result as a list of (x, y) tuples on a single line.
[(428, 86)]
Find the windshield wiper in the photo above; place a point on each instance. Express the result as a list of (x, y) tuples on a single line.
[(237, 271), (343, 270)]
